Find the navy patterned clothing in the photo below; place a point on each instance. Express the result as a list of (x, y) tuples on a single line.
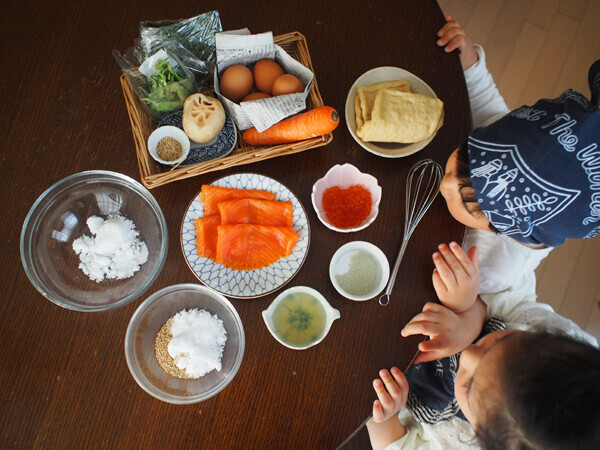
[(536, 170), (431, 396)]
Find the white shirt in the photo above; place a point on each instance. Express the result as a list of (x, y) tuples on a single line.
[(504, 263)]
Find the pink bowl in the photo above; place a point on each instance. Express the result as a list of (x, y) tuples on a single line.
[(345, 176)]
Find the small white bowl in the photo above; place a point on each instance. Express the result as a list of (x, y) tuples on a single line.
[(344, 176), (343, 262), (378, 75), (331, 314), (169, 131)]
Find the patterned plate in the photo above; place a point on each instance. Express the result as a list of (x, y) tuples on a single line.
[(242, 283), (222, 146)]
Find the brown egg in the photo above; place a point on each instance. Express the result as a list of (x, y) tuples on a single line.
[(236, 82), (287, 84), (255, 96), (265, 72)]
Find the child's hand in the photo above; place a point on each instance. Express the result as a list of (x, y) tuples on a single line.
[(452, 37), (392, 394), (449, 333), (456, 276)]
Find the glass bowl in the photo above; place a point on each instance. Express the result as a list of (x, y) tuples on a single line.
[(58, 217), (152, 315)]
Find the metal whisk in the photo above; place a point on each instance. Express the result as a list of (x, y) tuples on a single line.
[(422, 186)]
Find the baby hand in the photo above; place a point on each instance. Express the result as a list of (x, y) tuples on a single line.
[(449, 333), (452, 37), (456, 276), (392, 394)]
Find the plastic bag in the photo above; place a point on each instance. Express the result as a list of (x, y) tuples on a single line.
[(196, 36), (190, 49), (166, 84)]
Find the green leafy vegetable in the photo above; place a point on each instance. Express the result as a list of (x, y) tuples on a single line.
[(169, 89), (164, 75), (299, 318)]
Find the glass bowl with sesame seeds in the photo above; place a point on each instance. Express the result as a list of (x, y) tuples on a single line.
[(184, 343)]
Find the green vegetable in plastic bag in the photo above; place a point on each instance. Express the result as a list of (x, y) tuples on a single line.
[(190, 42), (164, 75), (169, 89), (194, 37)]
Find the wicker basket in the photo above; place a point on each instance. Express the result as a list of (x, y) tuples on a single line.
[(153, 174)]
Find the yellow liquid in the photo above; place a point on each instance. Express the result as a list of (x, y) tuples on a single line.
[(299, 319)]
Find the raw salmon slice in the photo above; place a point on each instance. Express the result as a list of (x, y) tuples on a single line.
[(249, 247), (206, 235), (258, 212), (211, 196)]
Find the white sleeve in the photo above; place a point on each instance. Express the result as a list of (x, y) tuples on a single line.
[(452, 434), (487, 105), (414, 438), (526, 314), (411, 440), (504, 263)]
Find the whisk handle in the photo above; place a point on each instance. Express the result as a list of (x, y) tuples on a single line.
[(385, 297)]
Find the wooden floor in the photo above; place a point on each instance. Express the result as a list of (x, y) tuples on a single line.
[(536, 49)]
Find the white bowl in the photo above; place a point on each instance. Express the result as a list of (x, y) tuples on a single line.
[(331, 314), (344, 263), (379, 75), (168, 131), (344, 176)]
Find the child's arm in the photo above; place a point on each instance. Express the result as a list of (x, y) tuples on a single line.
[(392, 393), (455, 324), (487, 105), (452, 37), (449, 333), (456, 276)]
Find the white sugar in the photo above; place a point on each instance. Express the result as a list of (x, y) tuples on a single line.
[(114, 250), (198, 342)]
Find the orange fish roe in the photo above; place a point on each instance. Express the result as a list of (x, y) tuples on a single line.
[(347, 208)]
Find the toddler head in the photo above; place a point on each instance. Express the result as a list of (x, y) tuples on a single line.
[(524, 390), (533, 175)]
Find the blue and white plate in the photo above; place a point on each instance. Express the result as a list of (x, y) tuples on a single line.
[(243, 283), (221, 146)]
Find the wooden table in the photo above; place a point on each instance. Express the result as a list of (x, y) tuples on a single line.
[(64, 379)]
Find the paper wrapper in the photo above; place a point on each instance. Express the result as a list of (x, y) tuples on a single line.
[(241, 47)]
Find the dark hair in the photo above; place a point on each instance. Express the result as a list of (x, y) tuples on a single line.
[(551, 387), (465, 184)]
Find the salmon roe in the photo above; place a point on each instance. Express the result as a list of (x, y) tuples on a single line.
[(347, 208)]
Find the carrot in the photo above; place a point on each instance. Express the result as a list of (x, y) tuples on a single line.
[(313, 123)]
